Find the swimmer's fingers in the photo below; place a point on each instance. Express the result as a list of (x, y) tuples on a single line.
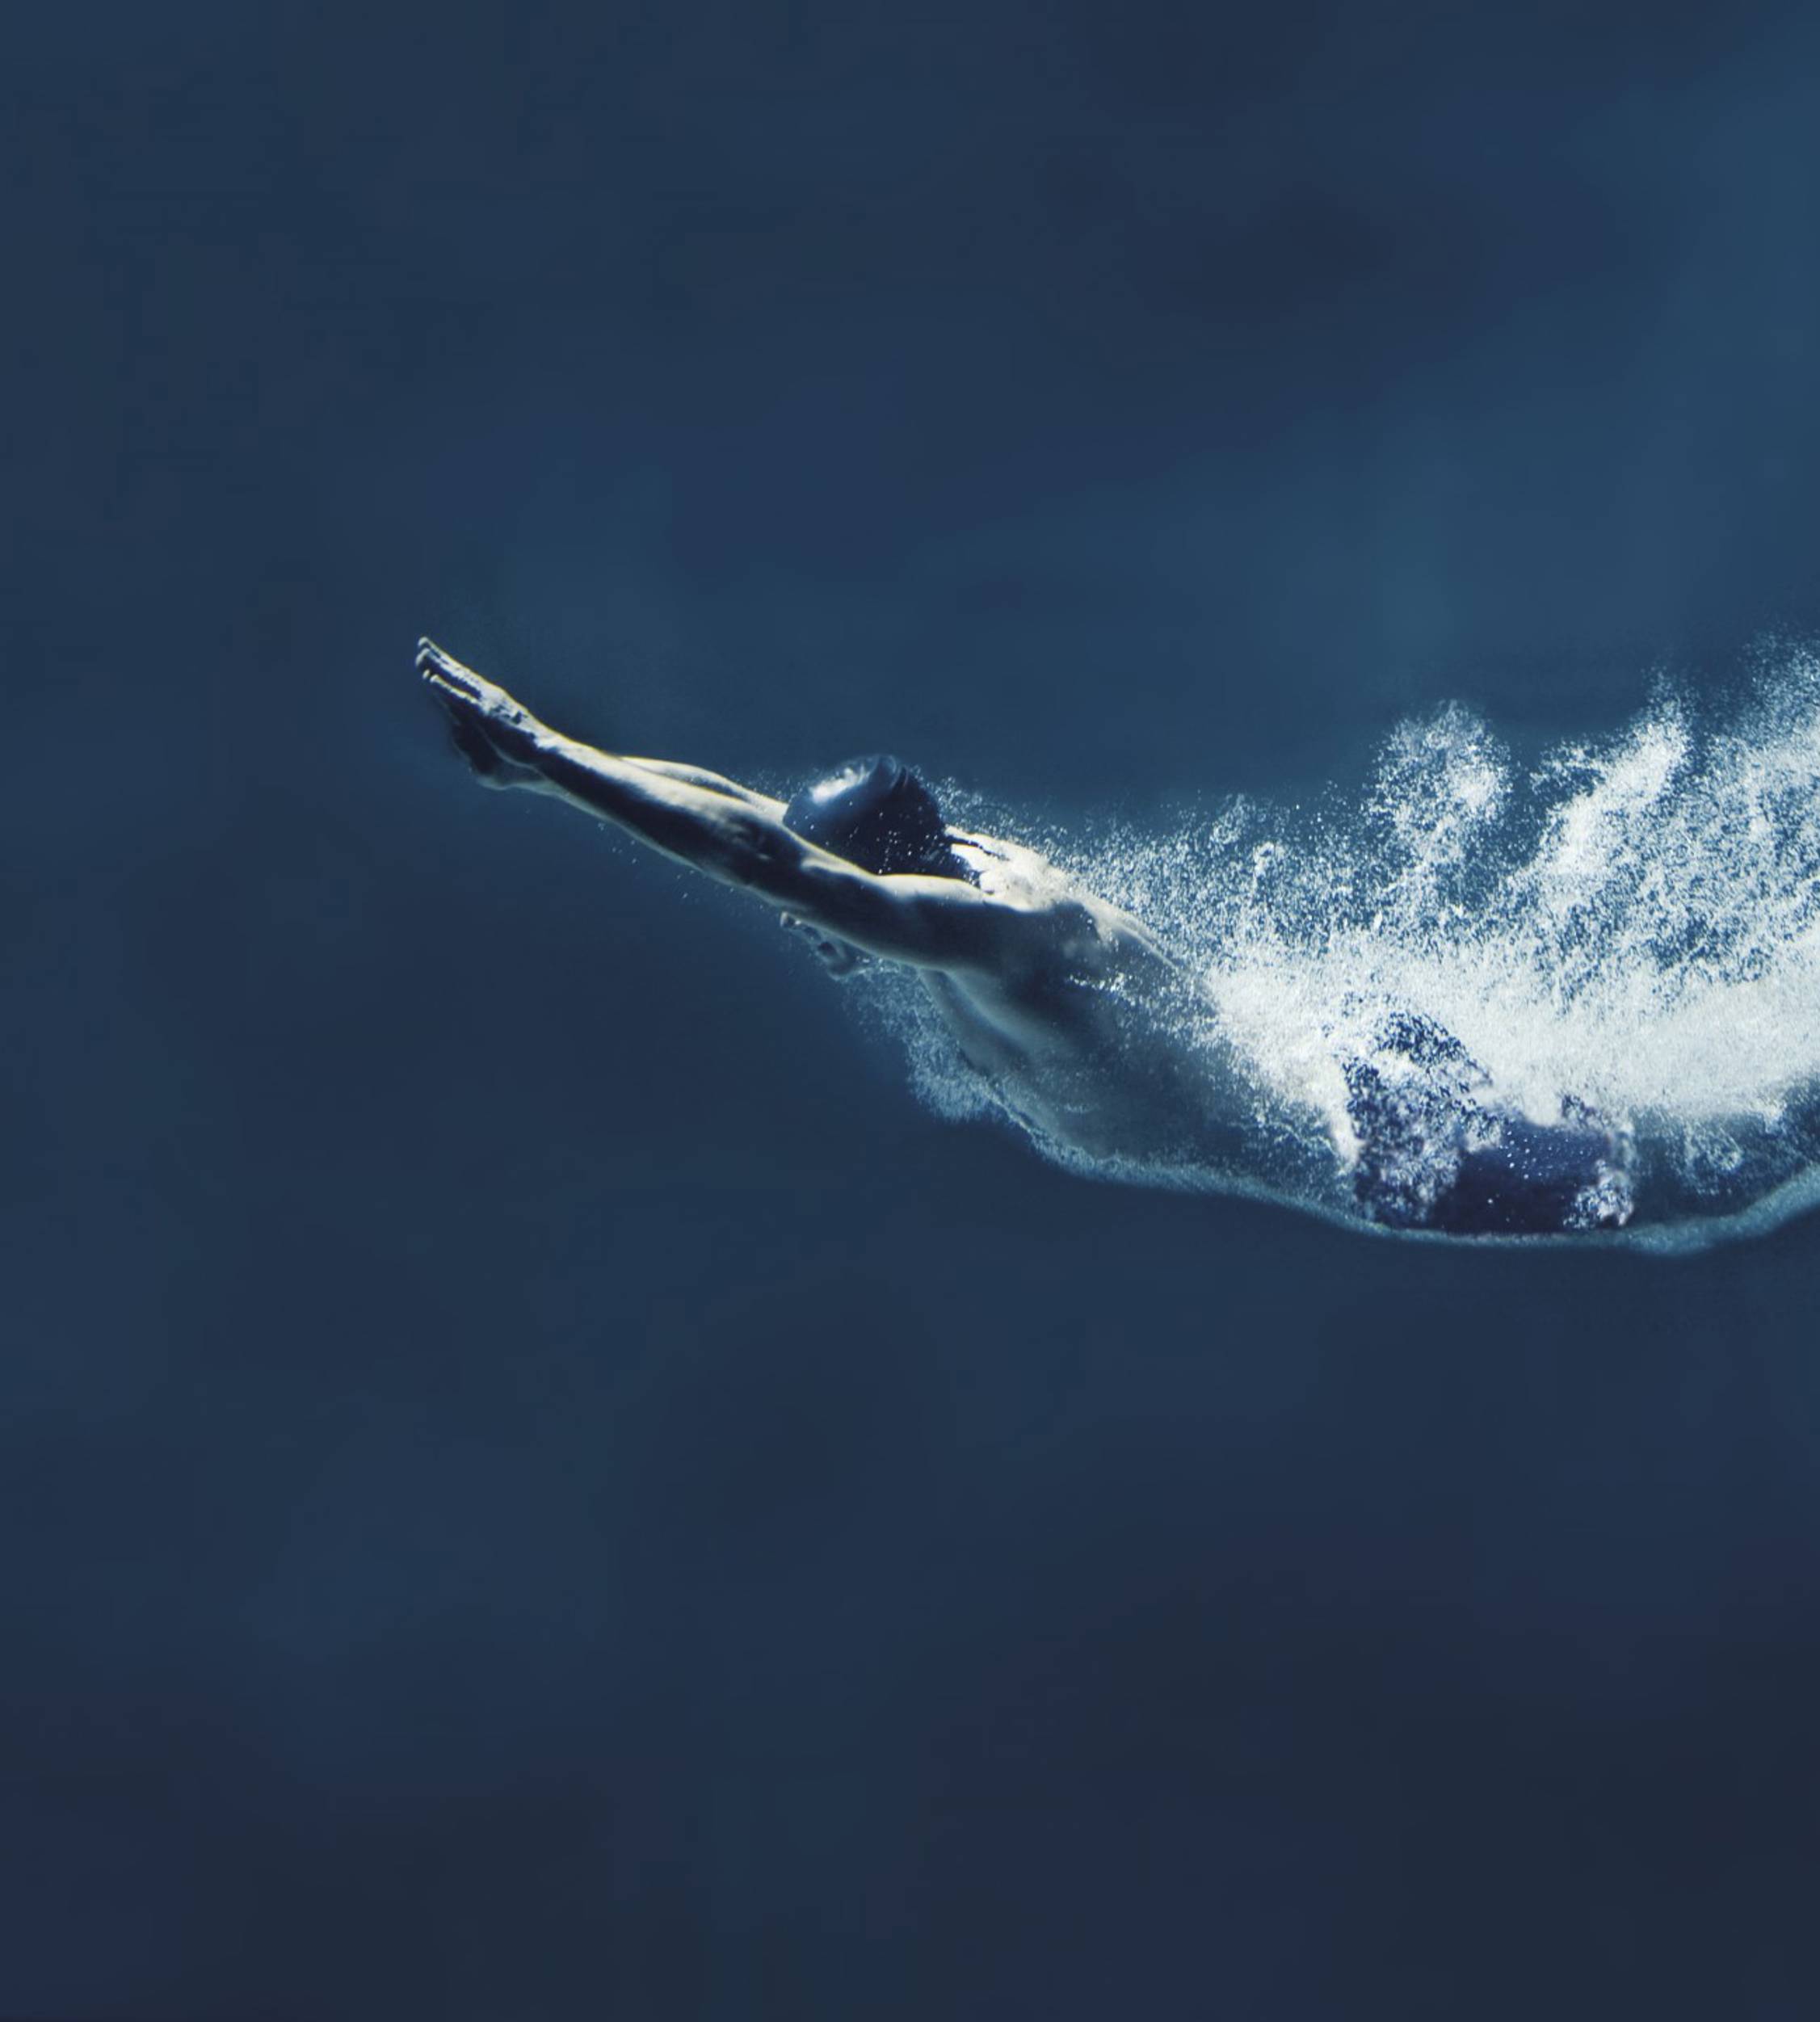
[(464, 692), (497, 736), (839, 958)]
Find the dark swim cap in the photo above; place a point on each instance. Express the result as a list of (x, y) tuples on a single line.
[(878, 813)]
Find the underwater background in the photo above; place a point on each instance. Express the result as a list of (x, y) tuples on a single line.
[(542, 1477)]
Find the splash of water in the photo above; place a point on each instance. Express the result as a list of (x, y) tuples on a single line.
[(1630, 927)]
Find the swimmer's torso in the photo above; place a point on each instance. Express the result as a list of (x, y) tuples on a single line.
[(1096, 1039)]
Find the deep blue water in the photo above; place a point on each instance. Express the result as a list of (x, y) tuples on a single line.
[(540, 1481)]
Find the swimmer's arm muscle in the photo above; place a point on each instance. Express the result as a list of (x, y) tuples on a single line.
[(734, 835)]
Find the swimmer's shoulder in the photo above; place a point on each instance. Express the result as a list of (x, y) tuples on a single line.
[(1070, 919), (1013, 873)]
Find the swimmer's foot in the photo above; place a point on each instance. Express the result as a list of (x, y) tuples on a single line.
[(491, 731)]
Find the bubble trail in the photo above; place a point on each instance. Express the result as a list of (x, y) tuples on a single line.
[(1628, 927)]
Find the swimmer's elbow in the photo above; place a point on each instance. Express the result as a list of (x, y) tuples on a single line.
[(740, 846), (927, 922), (877, 913), (958, 931)]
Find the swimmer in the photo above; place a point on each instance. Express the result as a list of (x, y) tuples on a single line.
[(1082, 1025)]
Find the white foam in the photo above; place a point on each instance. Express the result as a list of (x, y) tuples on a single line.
[(1633, 923)]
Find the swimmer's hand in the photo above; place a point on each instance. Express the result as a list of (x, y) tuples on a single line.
[(495, 734), (839, 958)]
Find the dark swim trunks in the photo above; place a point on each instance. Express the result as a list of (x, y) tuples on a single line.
[(1438, 1151)]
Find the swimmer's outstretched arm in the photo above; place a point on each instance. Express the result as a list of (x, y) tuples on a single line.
[(711, 783), (736, 836)]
